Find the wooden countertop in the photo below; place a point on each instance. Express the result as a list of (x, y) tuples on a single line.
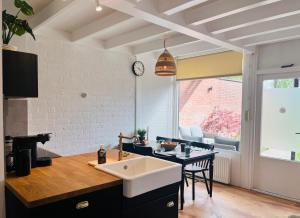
[(67, 177)]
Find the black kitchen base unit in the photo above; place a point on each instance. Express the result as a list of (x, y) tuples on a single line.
[(160, 203), (106, 203), (20, 74)]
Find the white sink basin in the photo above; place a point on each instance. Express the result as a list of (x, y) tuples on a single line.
[(143, 174)]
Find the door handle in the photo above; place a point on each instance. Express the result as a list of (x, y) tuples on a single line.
[(82, 205)]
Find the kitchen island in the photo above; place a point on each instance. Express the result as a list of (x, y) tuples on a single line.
[(72, 188)]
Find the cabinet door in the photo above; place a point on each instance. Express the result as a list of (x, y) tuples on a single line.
[(166, 207), (20, 74), (106, 203)]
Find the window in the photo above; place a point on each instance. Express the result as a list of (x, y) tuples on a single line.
[(212, 106), (280, 120)]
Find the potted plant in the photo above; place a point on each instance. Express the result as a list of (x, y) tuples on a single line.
[(13, 25), (141, 133)]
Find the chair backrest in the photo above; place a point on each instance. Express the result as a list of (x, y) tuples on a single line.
[(203, 145), (182, 141), (129, 147), (160, 138), (143, 150), (203, 163)]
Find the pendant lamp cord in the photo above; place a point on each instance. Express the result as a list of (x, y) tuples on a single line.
[(164, 43)]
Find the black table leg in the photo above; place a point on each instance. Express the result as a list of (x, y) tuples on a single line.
[(182, 189), (211, 176)]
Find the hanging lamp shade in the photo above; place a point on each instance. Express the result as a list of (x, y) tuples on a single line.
[(165, 65)]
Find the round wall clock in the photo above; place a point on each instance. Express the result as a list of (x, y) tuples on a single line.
[(138, 68)]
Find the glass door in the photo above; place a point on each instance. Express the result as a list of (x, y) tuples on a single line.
[(277, 153)]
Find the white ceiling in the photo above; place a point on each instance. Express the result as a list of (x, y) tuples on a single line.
[(189, 26), (79, 14)]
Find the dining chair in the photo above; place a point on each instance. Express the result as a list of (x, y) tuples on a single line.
[(160, 138), (143, 150), (181, 141), (199, 167)]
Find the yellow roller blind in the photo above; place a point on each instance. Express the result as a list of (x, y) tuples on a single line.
[(222, 64)]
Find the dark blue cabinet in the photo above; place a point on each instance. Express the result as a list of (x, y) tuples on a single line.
[(106, 203), (20, 74)]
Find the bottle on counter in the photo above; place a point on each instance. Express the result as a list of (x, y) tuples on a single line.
[(102, 155)]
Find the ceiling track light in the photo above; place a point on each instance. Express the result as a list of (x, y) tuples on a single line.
[(98, 6)]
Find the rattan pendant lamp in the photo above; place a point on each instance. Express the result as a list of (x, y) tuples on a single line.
[(165, 65)]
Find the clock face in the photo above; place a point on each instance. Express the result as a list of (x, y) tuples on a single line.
[(138, 68)]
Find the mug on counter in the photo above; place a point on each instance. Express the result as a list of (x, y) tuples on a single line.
[(182, 147)]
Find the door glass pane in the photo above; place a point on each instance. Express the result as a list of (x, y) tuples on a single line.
[(280, 122)]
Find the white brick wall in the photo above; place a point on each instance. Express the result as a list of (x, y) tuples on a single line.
[(65, 71), (15, 116), (80, 124)]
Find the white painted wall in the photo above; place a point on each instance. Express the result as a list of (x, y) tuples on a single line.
[(278, 54), (155, 100), (65, 71)]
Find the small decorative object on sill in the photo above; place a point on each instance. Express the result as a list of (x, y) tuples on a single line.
[(13, 25), (101, 155), (142, 133), (165, 65)]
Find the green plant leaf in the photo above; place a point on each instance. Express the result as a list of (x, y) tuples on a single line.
[(141, 132), (18, 28), (7, 18), (27, 28), (24, 7), (11, 25)]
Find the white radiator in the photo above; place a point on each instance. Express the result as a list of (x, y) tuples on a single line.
[(222, 169)]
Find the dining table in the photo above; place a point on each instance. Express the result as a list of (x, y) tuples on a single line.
[(196, 155)]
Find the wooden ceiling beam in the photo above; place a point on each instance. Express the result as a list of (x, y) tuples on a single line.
[(271, 26), (190, 48), (50, 12), (99, 25), (258, 15), (148, 32), (272, 37), (170, 7), (220, 9), (147, 10), (158, 44)]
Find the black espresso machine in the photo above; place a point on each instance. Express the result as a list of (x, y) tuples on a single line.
[(24, 153)]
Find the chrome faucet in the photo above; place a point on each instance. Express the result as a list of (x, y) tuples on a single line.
[(121, 136)]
